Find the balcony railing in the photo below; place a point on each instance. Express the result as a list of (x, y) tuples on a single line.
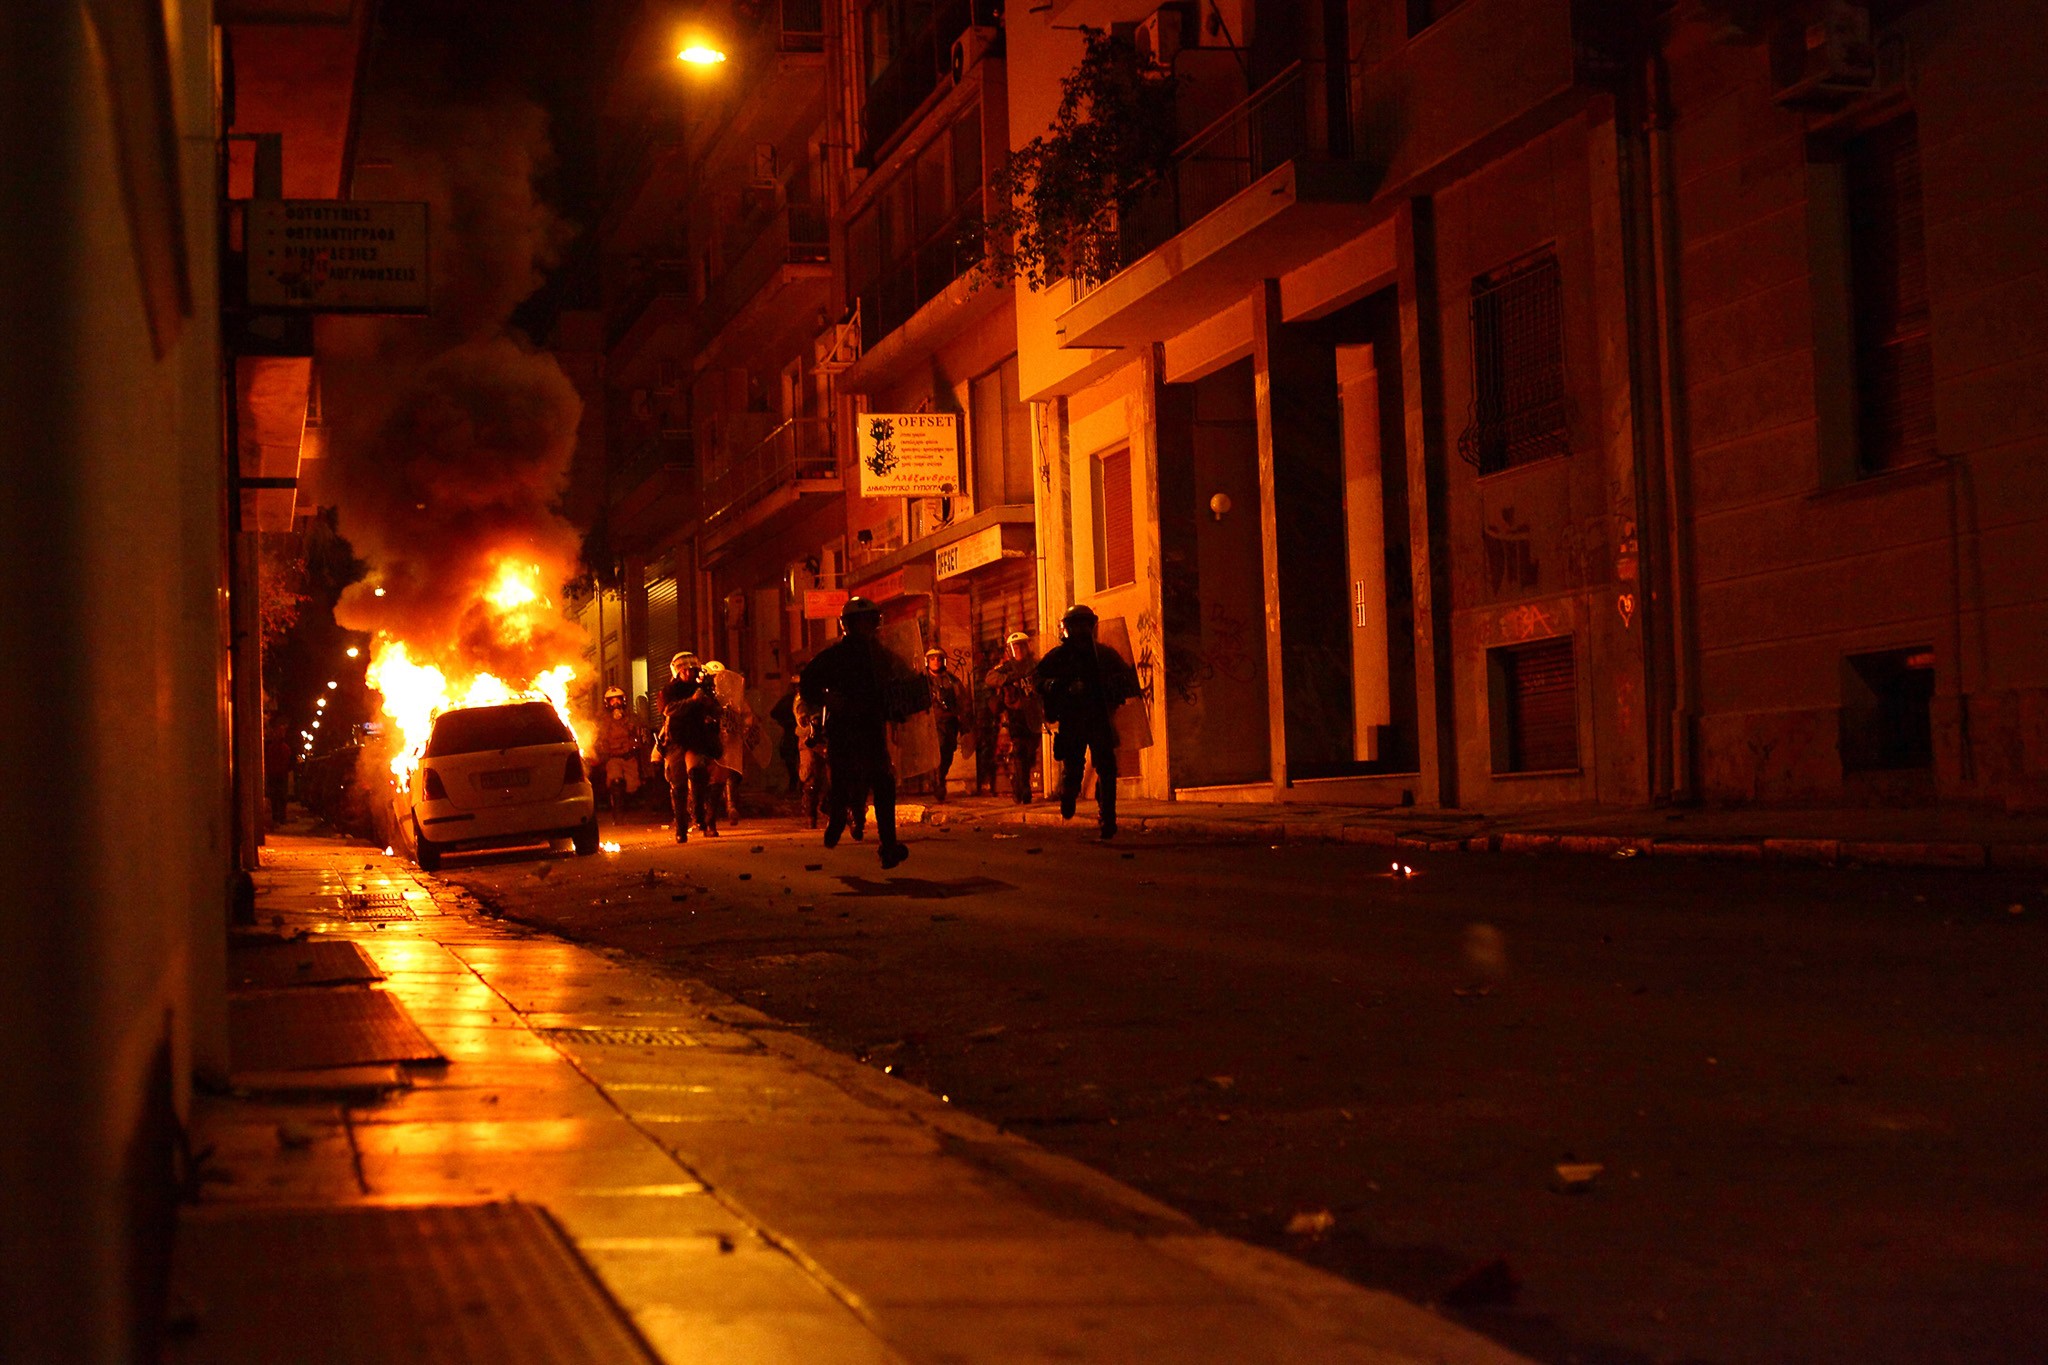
[(669, 451), (915, 70), (798, 451), (1284, 119), (946, 255), (802, 26)]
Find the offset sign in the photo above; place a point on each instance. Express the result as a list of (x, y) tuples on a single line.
[(909, 454), (971, 552), (337, 256)]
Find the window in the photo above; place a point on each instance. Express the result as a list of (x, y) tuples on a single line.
[(1116, 551), (1000, 433), (1887, 711), (1518, 396), (1533, 696), (1423, 13), (1888, 286), (920, 230)]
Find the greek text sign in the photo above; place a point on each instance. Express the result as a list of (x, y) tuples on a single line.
[(337, 256), (823, 604), (909, 455)]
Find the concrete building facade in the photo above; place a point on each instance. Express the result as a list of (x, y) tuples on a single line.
[(1526, 402)]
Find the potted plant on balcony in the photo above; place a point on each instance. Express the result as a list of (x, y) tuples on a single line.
[(1060, 205)]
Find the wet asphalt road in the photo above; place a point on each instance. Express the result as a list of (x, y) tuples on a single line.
[(1816, 1095)]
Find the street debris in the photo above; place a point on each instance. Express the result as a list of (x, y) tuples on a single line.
[(758, 848), (1311, 1223), (1625, 851), (2015, 909), (653, 877), (1486, 952), (1472, 992), (746, 876), (814, 867), (1006, 836), (1223, 1082), (1577, 1177), (1034, 850), (1490, 1284), (543, 869), (987, 1035), (295, 1137), (805, 909), (944, 919)]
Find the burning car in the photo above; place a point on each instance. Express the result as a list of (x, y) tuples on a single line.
[(494, 776)]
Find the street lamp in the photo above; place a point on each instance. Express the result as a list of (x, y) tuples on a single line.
[(331, 685), (321, 702), (700, 53), (353, 651)]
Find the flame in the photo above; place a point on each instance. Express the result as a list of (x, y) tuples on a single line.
[(416, 690)]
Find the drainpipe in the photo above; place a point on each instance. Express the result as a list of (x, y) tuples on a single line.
[(1649, 198)]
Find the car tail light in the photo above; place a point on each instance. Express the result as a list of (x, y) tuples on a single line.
[(435, 791), (572, 770)]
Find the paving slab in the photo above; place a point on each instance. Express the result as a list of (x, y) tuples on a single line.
[(737, 1192)]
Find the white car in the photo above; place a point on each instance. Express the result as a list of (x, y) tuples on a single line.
[(495, 776)]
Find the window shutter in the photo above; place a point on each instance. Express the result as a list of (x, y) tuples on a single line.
[(1541, 693), (1888, 265), (1119, 542), (1518, 385), (663, 630)]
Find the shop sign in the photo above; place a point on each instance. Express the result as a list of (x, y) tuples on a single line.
[(823, 604), (897, 583), (337, 255), (971, 552), (909, 454)]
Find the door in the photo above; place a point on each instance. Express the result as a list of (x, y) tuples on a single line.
[(1365, 549)]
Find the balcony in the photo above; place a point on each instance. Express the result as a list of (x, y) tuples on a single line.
[(1257, 192), (793, 461), (653, 489), (783, 245), (921, 66), (775, 266)]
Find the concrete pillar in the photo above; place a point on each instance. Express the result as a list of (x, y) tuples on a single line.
[(1265, 325), (1428, 540)]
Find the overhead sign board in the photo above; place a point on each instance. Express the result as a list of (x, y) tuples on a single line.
[(909, 454), (972, 552), (337, 255), (823, 604)]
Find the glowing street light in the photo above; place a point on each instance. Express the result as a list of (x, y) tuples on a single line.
[(353, 651), (380, 592), (331, 685), (700, 53), (316, 725), (321, 702)]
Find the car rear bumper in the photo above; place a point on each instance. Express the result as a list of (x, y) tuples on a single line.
[(444, 824)]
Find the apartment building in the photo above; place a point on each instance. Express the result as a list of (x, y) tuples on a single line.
[(722, 504), (921, 102), (1513, 402)]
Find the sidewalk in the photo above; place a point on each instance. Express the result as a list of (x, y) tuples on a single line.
[(615, 1164), (1875, 836)]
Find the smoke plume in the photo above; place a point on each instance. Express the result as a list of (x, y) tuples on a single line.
[(450, 436)]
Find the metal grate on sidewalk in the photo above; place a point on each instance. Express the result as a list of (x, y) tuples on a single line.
[(493, 1284), (368, 905), (620, 1037)]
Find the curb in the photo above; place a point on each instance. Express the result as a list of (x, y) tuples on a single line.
[(1949, 855)]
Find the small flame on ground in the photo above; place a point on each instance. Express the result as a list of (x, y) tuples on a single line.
[(610, 845)]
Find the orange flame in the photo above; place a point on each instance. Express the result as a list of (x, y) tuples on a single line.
[(416, 690)]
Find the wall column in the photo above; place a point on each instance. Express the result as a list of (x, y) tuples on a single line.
[(1265, 323)]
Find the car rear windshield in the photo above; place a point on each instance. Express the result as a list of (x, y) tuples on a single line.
[(480, 729)]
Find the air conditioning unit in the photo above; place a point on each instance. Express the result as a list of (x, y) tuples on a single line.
[(1822, 56), (1158, 36), (970, 47)]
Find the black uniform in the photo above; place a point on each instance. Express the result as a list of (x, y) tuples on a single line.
[(949, 706), (690, 743), (860, 687), (1083, 683)]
